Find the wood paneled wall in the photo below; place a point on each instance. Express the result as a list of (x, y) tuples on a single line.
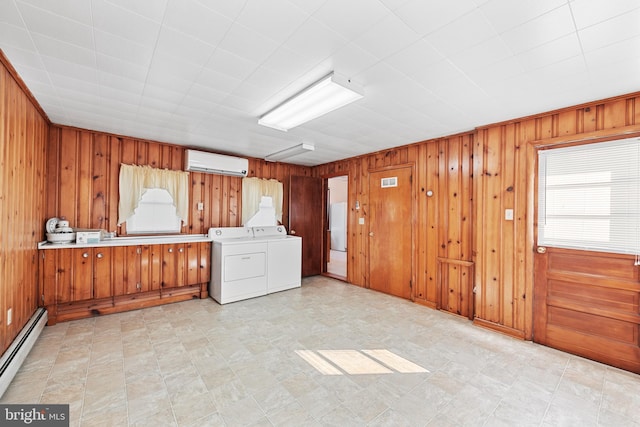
[(505, 162), (83, 171), (444, 219), (475, 177), (23, 137)]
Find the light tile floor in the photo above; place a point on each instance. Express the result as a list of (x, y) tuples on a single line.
[(197, 363)]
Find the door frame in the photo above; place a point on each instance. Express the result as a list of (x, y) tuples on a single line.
[(414, 209), (326, 244)]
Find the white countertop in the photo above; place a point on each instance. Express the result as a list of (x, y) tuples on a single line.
[(131, 241)]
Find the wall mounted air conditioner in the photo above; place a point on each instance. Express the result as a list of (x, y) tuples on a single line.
[(200, 161)]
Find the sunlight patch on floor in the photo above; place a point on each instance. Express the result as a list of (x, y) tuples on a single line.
[(355, 362)]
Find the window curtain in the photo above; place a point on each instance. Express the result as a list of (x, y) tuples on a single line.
[(134, 180), (253, 189)]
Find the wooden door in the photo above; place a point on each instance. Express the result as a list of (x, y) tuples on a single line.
[(305, 220), (588, 303), (390, 231)]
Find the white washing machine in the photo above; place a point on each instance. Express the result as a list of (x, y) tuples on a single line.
[(249, 262)]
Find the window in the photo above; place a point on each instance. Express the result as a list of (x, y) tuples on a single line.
[(156, 213), (163, 196), (589, 197)]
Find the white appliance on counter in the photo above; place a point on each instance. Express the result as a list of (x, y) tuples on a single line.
[(249, 262)]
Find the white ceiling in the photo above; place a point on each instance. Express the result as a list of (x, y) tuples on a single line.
[(200, 72)]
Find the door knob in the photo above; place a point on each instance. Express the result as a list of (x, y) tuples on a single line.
[(293, 231), (541, 250), (371, 234), (99, 255)]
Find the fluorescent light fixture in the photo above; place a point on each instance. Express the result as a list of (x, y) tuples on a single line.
[(290, 152), (325, 95)]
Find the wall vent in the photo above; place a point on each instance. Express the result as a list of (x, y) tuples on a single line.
[(389, 182)]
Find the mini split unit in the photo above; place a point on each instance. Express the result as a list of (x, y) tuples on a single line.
[(200, 161)]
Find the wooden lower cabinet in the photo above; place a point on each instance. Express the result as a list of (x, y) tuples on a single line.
[(83, 282)]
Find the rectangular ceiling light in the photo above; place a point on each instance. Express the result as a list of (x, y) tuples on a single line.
[(290, 152), (325, 95)]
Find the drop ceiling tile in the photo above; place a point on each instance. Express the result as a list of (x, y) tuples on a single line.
[(193, 18), (386, 37), (71, 53), (493, 75), (350, 18), (123, 69), (39, 81), (15, 37), (505, 15), (230, 64), (220, 83), (183, 47), (351, 61), (316, 39), (56, 26), (425, 17), (611, 31), (415, 58), (64, 69), (591, 12), (166, 70), (613, 53), (463, 33), (113, 46), (248, 44), (394, 4), (124, 23), (288, 62), (230, 9), (127, 88), (481, 55), (541, 30), (78, 10), (9, 13), (153, 10), (555, 51), (267, 18)]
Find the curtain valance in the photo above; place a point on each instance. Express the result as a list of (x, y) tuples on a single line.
[(135, 179), (252, 191)]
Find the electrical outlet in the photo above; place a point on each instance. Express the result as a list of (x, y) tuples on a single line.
[(9, 316), (361, 221)]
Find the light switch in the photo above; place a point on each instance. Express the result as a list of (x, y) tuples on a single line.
[(200, 206), (508, 214), (361, 221)]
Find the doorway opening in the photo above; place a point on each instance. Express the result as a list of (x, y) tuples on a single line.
[(336, 239)]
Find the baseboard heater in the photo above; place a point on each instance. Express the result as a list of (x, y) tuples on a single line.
[(15, 355)]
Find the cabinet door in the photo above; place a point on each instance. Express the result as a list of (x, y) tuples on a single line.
[(181, 264), (49, 273), (82, 282), (174, 270), (102, 273), (168, 266), (154, 257), (132, 275), (193, 263), (205, 262)]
